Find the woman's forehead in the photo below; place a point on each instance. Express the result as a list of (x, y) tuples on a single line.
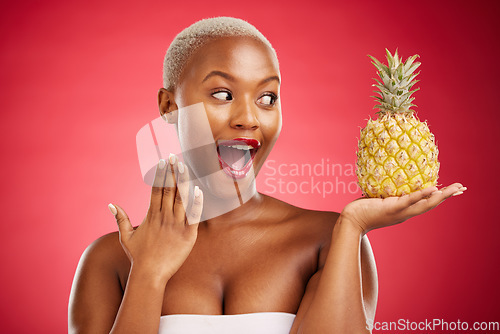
[(239, 56)]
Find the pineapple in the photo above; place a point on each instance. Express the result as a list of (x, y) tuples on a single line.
[(397, 154)]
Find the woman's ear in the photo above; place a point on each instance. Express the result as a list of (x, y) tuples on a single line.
[(167, 106)]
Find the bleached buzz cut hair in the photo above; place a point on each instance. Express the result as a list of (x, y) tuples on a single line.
[(198, 34)]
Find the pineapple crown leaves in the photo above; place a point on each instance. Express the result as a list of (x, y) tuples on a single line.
[(395, 85)]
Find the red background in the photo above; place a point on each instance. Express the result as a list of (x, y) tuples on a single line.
[(79, 81)]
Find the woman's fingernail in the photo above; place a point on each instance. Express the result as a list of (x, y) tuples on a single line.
[(161, 164), (436, 192), (197, 191), (463, 189), (180, 165), (112, 208), (458, 193), (172, 158)]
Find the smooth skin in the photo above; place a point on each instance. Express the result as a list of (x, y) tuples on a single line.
[(264, 256)]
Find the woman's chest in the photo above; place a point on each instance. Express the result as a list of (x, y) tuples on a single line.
[(242, 275)]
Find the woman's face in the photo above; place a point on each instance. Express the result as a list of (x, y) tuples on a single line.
[(237, 80)]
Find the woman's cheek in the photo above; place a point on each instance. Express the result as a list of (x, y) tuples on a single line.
[(271, 124), (218, 119)]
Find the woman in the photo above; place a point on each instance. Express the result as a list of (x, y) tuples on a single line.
[(265, 265)]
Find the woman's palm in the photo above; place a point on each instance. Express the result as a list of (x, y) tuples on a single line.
[(373, 213)]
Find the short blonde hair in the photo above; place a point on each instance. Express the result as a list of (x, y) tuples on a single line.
[(198, 34)]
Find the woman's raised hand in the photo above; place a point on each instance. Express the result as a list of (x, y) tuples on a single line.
[(161, 244), (372, 213)]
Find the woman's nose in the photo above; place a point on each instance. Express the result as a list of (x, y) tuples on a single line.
[(244, 116)]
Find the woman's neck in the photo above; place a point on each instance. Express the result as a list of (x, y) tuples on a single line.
[(225, 198), (240, 213)]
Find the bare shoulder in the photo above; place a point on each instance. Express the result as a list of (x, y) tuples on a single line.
[(317, 226), (105, 251), (104, 258), (314, 224)]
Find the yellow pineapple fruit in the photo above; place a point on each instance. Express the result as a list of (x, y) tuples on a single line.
[(397, 154)]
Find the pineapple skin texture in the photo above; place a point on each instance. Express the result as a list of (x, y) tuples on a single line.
[(397, 155)]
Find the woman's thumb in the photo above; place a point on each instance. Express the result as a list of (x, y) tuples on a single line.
[(124, 225)]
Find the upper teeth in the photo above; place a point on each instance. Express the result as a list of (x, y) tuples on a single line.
[(242, 147)]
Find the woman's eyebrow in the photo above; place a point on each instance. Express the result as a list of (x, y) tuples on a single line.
[(219, 73), (274, 77), (231, 78)]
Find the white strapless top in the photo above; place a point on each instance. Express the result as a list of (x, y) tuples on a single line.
[(249, 323)]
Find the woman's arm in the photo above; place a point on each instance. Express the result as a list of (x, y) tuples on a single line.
[(341, 297), (156, 250), (342, 294), (96, 293)]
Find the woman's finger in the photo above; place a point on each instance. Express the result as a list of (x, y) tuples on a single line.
[(194, 214), (169, 187), (125, 228), (411, 199), (427, 203), (455, 188), (182, 194), (435, 198), (157, 188)]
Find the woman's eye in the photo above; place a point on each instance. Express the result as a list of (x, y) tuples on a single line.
[(268, 99), (223, 95)]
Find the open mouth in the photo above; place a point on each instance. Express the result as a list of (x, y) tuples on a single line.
[(236, 155)]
